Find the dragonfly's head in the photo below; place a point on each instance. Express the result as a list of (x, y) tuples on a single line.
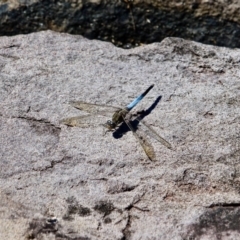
[(110, 125)]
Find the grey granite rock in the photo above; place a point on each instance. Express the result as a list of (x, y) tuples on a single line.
[(58, 182), (127, 23)]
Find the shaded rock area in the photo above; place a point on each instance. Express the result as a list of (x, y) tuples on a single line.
[(58, 182), (127, 23)]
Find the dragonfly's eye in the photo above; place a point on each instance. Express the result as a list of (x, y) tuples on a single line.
[(110, 124)]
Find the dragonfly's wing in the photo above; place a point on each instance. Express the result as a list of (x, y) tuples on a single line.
[(82, 121), (91, 119), (147, 147), (151, 132), (95, 108)]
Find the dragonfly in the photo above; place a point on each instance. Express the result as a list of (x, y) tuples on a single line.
[(119, 116)]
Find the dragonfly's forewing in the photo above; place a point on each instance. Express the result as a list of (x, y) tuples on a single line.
[(89, 120), (104, 110), (151, 132), (82, 121), (147, 147)]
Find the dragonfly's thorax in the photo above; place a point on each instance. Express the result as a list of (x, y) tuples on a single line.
[(117, 118)]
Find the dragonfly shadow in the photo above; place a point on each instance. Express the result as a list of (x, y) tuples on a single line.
[(123, 128)]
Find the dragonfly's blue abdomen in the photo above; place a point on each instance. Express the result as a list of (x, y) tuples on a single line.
[(138, 99)]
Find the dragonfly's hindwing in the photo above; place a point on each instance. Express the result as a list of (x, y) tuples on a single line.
[(152, 133), (146, 145)]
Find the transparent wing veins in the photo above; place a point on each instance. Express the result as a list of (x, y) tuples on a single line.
[(147, 147), (81, 121), (91, 119), (151, 132), (93, 108)]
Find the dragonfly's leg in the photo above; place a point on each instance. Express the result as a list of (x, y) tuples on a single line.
[(108, 130)]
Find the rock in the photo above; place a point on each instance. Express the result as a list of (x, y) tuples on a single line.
[(58, 182), (127, 23)]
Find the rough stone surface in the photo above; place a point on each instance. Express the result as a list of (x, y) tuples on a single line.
[(127, 23), (58, 182)]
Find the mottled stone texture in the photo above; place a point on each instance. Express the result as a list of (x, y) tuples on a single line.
[(127, 23), (58, 182)]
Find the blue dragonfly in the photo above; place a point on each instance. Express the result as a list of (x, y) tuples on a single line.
[(119, 115)]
